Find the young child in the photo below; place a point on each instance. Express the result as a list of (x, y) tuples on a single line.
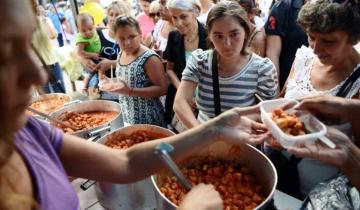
[(143, 73), (88, 43)]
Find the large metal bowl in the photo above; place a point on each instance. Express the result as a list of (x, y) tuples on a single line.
[(90, 106), (46, 97), (248, 156), (136, 196)]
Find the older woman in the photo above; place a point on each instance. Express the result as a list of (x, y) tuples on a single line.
[(162, 28), (324, 68), (331, 54), (157, 39), (189, 36), (154, 11), (36, 158)]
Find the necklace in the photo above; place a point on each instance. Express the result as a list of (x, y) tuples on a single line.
[(192, 40)]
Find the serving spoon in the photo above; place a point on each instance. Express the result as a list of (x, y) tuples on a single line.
[(163, 150), (42, 114)]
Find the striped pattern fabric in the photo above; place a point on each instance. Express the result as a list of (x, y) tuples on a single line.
[(257, 76)]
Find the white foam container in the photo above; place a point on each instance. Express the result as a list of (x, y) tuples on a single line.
[(105, 84), (315, 128)]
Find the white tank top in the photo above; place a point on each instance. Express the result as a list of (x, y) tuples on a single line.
[(300, 84)]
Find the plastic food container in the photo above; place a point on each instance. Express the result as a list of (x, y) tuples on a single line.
[(109, 84), (313, 126)]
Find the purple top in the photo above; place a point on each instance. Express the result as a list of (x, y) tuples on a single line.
[(40, 144)]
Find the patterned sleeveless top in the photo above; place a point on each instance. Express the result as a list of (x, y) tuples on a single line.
[(138, 110)]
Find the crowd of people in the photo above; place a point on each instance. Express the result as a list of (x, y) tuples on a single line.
[(196, 66)]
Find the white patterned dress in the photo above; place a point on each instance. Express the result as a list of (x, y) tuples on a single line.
[(139, 110)]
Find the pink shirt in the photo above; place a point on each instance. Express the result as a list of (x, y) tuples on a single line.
[(146, 24)]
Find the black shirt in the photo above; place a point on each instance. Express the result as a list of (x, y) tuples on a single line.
[(175, 53), (109, 49), (282, 21), (175, 48)]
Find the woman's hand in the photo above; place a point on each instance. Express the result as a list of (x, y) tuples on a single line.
[(122, 89), (274, 144), (346, 156), (319, 151), (185, 104), (335, 110), (202, 197), (88, 64), (234, 126), (328, 107), (105, 64)]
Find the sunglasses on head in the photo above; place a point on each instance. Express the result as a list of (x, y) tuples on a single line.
[(154, 14)]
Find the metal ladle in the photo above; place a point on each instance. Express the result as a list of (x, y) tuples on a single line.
[(42, 114), (163, 150)]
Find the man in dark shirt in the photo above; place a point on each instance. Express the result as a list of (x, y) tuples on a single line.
[(284, 36)]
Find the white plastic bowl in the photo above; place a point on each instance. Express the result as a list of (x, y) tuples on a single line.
[(315, 128), (111, 84)]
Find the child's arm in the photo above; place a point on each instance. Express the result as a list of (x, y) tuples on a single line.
[(80, 48)]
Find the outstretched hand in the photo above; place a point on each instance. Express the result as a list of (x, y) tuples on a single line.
[(88, 64), (320, 151), (105, 64), (121, 88), (234, 126), (326, 107)]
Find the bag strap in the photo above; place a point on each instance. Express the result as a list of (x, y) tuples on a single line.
[(215, 80), (345, 88)]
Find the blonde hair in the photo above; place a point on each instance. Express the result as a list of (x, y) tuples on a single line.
[(188, 5), (123, 6), (154, 6)]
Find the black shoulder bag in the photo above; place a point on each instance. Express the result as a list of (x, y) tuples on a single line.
[(346, 87), (215, 80)]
